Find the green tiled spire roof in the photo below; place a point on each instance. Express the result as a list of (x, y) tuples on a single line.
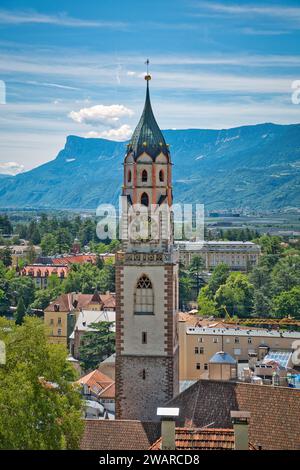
[(147, 136)]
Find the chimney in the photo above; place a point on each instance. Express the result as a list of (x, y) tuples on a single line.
[(240, 421), (168, 416)]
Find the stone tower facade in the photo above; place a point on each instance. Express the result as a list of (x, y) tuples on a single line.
[(146, 277)]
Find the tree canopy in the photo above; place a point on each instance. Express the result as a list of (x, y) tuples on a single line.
[(97, 345), (39, 406)]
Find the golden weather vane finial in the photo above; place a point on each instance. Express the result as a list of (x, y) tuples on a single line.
[(147, 76)]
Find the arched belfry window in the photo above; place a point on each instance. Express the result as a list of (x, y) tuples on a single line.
[(144, 298), (145, 199), (129, 176), (161, 175), (144, 176)]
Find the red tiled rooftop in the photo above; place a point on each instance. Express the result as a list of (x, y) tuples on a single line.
[(103, 434), (75, 259), (275, 411), (201, 439), (44, 270), (66, 302), (98, 383)]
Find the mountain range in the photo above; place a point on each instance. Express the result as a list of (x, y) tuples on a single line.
[(255, 167)]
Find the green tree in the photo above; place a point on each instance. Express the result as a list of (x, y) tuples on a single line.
[(261, 303), (33, 233), (286, 274), (20, 312), (63, 240), (218, 278), (5, 256), (21, 286), (42, 299), (185, 290), (40, 409), (260, 277), (114, 246), (48, 244), (236, 294), (206, 306), (270, 245), (87, 277), (97, 345), (5, 225), (287, 303), (31, 253), (195, 269)]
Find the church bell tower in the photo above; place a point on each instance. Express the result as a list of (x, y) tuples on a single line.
[(146, 277)]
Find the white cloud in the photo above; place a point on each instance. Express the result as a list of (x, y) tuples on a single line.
[(264, 32), (292, 13), (131, 73), (53, 85), (122, 133), (23, 17), (101, 115), (11, 168)]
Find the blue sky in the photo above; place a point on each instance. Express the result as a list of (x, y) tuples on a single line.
[(77, 68)]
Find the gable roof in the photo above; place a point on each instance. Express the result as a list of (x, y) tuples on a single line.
[(99, 383), (275, 411), (109, 300), (40, 270), (87, 317), (118, 434), (74, 259), (66, 302)]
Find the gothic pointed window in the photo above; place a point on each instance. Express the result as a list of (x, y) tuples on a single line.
[(144, 298), (161, 176), (144, 176), (129, 176), (145, 199)]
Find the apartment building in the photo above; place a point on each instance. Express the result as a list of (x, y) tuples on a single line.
[(238, 255), (197, 345)]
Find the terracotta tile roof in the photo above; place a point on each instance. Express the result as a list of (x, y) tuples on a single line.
[(201, 439), (109, 300), (275, 411), (119, 435), (98, 383), (188, 318), (75, 259), (197, 320), (66, 302), (109, 392), (37, 270)]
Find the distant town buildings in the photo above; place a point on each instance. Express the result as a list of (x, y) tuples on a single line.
[(21, 252), (203, 346), (62, 314), (40, 273), (238, 255)]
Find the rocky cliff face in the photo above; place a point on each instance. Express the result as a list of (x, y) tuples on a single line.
[(251, 166)]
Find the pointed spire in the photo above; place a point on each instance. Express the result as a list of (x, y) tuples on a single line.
[(147, 136)]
